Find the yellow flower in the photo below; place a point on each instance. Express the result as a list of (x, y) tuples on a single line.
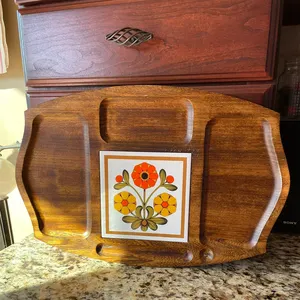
[(165, 204), (125, 203)]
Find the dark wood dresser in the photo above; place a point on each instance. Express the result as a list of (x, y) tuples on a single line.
[(230, 148), (224, 46)]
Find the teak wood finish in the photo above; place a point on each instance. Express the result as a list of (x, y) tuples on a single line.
[(64, 44), (259, 93), (239, 176)]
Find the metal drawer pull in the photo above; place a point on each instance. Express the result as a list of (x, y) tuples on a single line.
[(129, 36)]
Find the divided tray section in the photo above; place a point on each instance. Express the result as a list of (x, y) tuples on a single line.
[(242, 180), (146, 120), (56, 174)]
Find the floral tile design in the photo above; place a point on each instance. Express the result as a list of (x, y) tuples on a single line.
[(145, 195)]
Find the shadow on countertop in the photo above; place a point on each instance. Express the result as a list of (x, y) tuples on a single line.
[(34, 270)]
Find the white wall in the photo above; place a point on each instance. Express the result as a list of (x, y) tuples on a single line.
[(12, 107)]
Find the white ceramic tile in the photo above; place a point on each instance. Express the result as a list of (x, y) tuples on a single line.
[(123, 212)]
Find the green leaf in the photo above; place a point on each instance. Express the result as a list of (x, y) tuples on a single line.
[(159, 220), (162, 175), (150, 211), (129, 219), (138, 211), (125, 176), (152, 225), (170, 187), (136, 224), (144, 228), (120, 185)]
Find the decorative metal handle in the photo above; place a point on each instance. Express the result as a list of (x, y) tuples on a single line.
[(129, 36)]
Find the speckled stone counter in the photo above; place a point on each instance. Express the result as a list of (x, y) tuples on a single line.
[(34, 270)]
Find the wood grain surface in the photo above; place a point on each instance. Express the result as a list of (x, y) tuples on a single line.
[(194, 41), (239, 175), (67, 179), (259, 93)]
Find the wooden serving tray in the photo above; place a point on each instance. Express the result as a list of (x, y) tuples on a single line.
[(150, 175)]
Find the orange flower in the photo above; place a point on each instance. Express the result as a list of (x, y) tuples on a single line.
[(125, 203), (170, 179), (144, 175), (165, 204), (119, 178)]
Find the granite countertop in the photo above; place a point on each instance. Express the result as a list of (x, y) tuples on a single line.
[(34, 270)]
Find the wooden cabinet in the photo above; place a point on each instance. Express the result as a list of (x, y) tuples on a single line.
[(193, 41), (259, 93), (221, 45)]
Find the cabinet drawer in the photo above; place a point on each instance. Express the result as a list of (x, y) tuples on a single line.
[(261, 94), (193, 41)]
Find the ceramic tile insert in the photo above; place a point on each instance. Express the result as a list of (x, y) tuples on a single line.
[(145, 195)]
